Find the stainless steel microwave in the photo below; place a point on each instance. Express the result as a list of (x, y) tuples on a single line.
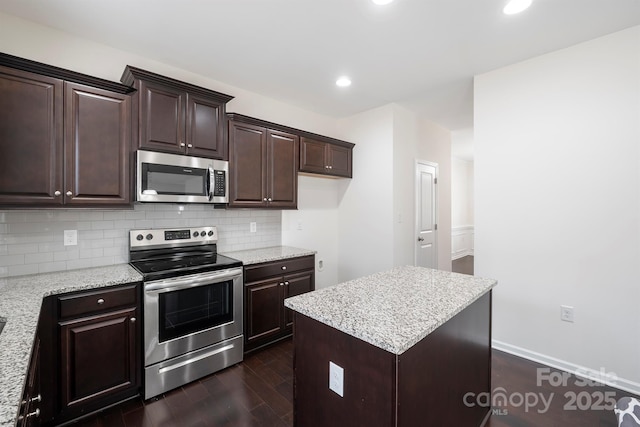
[(172, 178)]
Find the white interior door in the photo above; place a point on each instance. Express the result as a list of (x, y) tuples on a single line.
[(426, 232)]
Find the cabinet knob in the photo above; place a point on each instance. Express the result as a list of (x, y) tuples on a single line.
[(189, 145), (57, 193), (326, 166), (286, 283), (284, 267), (269, 199), (330, 167), (36, 399), (69, 193), (133, 320), (182, 144), (35, 413), (281, 284), (100, 301)]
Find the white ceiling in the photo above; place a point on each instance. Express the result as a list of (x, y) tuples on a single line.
[(420, 53)]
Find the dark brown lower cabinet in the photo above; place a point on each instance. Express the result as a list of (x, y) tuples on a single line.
[(87, 355), (267, 285), (99, 358), (30, 412)]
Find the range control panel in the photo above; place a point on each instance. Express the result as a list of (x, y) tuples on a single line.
[(159, 237)]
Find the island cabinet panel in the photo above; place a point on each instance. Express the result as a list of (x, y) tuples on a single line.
[(263, 165), (326, 157), (177, 117), (423, 386), (267, 285), (64, 137)]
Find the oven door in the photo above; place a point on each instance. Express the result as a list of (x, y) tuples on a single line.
[(187, 313)]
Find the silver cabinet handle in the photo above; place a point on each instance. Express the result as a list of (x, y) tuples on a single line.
[(69, 193), (133, 320), (57, 193), (35, 413), (100, 301)]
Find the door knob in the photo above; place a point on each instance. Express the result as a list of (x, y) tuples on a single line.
[(420, 239)]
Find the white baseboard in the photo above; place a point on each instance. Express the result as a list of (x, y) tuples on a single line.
[(563, 365), (461, 254)]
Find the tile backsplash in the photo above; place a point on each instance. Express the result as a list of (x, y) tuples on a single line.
[(31, 241)]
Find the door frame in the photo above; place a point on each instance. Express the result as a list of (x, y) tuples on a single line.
[(416, 198)]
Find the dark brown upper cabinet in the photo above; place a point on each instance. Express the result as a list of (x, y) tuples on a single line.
[(263, 165), (177, 117), (64, 137), (332, 158)]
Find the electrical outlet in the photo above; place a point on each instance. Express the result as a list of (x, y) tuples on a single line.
[(566, 313), (252, 227), (299, 225), (336, 379), (70, 237)]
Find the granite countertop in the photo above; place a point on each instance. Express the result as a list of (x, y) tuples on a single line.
[(395, 309), (274, 253), (20, 303)]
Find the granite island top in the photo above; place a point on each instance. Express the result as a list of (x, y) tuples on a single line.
[(20, 303), (273, 253), (395, 309)]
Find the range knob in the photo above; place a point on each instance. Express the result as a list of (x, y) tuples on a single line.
[(149, 236), (196, 234), (203, 233), (210, 233), (139, 237)]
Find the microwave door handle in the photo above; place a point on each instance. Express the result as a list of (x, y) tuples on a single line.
[(210, 175)]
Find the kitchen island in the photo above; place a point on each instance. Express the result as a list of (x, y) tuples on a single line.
[(406, 347)]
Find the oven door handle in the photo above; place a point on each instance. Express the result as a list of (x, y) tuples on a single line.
[(177, 283)]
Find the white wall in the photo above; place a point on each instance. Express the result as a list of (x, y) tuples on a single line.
[(365, 230), (461, 193), (557, 211), (315, 225)]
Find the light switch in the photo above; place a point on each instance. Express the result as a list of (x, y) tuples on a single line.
[(336, 379)]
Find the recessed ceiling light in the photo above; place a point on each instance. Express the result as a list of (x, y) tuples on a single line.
[(382, 2), (343, 81), (516, 6)]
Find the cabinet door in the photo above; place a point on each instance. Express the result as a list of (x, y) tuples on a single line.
[(31, 113), (247, 165), (263, 313), (97, 359), (312, 156), (162, 118), (339, 160), (206, 128), (282, 167), (296, 284), (97, 146)]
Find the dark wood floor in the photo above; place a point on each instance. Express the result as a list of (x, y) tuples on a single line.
[(259, 392), (463, 265)]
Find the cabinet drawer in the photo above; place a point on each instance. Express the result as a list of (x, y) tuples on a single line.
[(97, 301), (278, 268)]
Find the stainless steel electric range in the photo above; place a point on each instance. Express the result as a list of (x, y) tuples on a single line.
[(192, 305)]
